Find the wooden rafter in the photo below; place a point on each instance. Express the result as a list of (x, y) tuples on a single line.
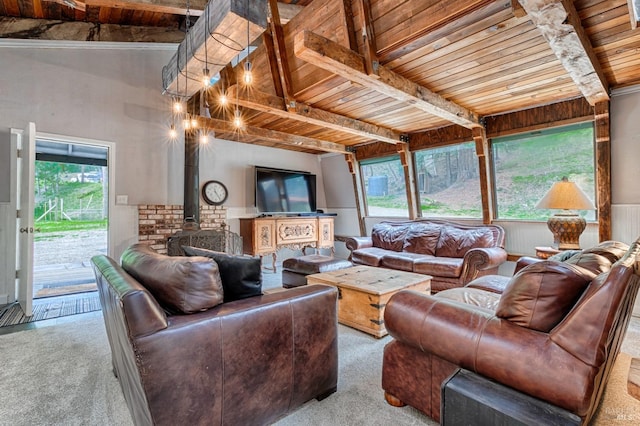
[(272, 135), (47, 29), (342, 61), (560, 25), (280, 53), (271, 104)]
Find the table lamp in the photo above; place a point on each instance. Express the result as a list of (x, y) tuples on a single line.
[(566, 226)]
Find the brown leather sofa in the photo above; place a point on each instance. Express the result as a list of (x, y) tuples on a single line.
[(452, 253), (552, 331), (242, 362)]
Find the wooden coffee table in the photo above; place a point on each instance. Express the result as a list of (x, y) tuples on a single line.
[(363, 293)]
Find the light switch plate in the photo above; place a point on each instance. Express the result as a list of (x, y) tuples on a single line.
[(122, 199)]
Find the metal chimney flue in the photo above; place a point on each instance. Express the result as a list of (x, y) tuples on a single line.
[(191, 182)]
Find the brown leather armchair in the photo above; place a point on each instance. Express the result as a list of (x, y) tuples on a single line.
[(243, 362), (555, 346)]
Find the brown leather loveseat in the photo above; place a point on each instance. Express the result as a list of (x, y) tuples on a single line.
[(552, 331), (183, 356), (452, 253)]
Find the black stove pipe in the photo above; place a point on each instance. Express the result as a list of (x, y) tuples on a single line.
[(191, 181)]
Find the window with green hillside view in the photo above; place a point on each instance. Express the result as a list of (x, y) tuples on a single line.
[(526, 165), (384, 187), (448, 181)]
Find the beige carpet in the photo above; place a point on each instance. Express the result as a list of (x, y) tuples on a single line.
[(61, 374), (617, 407)]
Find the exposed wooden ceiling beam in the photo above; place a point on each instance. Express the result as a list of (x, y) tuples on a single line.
[(45, 29), (264, 102), (221, 32), (342, 61), (634, 13), (176, 7), (272, 135), (560, 25)]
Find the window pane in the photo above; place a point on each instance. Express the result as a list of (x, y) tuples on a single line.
[(449, 181), (385, 187), (526, 166)]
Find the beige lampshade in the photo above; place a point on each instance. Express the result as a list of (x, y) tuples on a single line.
[(565, 195)]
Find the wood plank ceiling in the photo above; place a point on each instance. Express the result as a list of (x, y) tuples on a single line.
[(343, 73)]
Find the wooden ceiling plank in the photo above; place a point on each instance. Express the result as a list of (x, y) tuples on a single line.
[(47, 29), (307, 114), (273, 135), (570, 44), (340, 60)]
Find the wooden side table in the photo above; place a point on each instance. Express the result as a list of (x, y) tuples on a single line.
[(546, 252)]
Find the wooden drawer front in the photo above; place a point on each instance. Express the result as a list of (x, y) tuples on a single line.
[(325, 233), (297, 231), (265, 239)]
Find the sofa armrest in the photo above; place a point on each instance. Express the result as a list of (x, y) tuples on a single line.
[(525, 261), (285, 341), (482, 261), (473, 338), (355, 243)]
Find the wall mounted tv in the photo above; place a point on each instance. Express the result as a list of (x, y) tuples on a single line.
[(280, 191)]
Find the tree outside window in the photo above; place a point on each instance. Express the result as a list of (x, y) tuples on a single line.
[(449, 182)]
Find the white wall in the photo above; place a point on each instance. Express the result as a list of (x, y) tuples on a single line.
[(114, 94)]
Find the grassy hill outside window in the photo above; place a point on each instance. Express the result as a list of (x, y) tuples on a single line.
[(526, 165)]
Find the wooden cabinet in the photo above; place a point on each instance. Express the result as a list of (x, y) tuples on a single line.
[(266, 235)]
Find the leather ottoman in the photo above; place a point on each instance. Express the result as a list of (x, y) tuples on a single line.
[(296, 269)]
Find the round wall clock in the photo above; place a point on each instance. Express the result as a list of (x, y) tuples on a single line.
[(214, 192)]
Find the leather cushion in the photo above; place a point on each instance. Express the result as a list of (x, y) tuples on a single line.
[(422, 238), (591, 261), (612, 250), (541, 294), (448, 267), (455, 242), (471, 296), (389, 236), (492, 283), (179, 284), (241, 276), (370, 256), (314, 263), (401, 261)]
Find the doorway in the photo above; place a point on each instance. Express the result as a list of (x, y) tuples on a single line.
[(71, 215)]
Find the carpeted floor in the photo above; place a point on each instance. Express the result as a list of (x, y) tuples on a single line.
[(61, 374), (51, 307)]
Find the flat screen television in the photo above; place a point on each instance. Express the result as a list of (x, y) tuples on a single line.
[(280, 191)]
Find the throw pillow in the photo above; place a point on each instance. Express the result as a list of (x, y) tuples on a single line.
[(541, 294), (422, 238), (241, 276), (591, 261), (456, 242), (179, 284), (612, 250), (389, 236)]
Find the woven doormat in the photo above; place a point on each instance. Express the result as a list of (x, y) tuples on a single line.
[(51, 308)]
